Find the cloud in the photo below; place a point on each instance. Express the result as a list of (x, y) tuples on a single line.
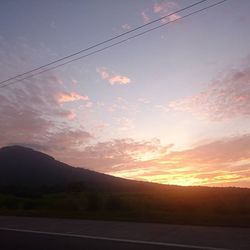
[(161, 107), (89, 105), (65, 140), (124, 123), (103, 73), (173, 17), (126, 26), (122, 105), (113, 78), (30, 114), (119, 80), (63, 97), (161, 9), (219, 163), (71, 115), (224, 151), (145, 16), (225, 98), (164, 7), (118, 154), (144, 100)]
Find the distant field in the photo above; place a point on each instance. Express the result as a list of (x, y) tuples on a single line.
[(198, 206)]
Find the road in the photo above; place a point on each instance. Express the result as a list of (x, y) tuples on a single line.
[(17, 233)]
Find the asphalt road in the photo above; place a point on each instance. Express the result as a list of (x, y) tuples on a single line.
[(23, 233), (29, 241)]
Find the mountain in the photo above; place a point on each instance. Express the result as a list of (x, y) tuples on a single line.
[(21, 166)]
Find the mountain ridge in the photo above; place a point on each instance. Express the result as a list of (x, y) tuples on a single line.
[(23, 166)]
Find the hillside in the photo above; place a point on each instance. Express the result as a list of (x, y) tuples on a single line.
[(21, 166)]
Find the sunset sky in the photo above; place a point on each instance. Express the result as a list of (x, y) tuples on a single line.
[(171, 106)]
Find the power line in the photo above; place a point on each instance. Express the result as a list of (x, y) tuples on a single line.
[(114, 44), (101, 43)]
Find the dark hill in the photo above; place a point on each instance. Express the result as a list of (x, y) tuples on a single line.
[(21, 166)]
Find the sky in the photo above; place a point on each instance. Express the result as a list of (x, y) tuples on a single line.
[(171, 106)]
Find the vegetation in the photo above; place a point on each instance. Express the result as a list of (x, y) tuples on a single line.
[(181, 205)]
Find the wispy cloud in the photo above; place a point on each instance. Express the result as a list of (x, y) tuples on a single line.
[(63, 97), (160, 9), (164, 6), (71, 115), (225, 98), (31, 112), (126, 26), (124, 123), (219, 163), (144, 100), (145, 16), (103, 73)]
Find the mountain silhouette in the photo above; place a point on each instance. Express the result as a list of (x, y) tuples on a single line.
[(21, 166)]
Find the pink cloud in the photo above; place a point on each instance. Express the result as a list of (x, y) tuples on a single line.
[(161, 9), (221, 162), (65, 140), (71, 115), (30, 112), (164, 7), (63, 97), (225, 98), (118, 154), (145, 16), (103, 73), (119, 80), (171, 18), (226, 150), (57, 79), (113, 78)]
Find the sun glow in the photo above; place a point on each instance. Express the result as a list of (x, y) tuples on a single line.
[(146, 156), (176, 179)]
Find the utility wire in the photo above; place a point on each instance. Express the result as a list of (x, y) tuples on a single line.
[(117, 43), (101, 43)]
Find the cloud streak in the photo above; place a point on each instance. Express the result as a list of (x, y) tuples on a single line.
[(63, 97)]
